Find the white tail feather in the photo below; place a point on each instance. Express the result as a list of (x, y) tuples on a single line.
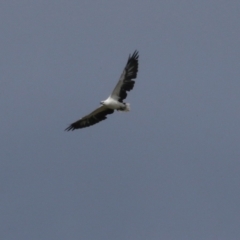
[(127, 109)]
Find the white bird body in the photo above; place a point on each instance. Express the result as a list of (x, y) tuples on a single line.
[(116, 105)]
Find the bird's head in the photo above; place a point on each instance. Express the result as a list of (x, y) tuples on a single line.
[(102, 102)]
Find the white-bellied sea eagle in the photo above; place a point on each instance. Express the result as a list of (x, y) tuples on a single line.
[(115, 100)]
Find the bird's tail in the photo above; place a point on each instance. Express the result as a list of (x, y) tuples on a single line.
[(127, 109)]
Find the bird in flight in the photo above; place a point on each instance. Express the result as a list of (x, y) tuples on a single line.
[(115, 100)]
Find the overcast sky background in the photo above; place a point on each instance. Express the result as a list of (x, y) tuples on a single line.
[(168, 169)]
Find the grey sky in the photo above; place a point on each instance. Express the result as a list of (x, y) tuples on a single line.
[(169, 169)]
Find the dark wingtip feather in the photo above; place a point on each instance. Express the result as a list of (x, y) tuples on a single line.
[(135, 54), (70, 128)]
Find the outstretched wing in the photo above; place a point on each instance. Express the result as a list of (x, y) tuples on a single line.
[(94, 117), (126, 82)]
